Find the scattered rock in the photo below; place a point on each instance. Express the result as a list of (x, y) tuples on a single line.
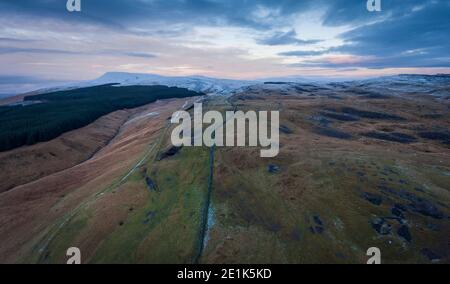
[(340, 116), (443, 137), (419, 205), (431, 255), (169, 153), (426, 208), (370, 114), (397, 212), (273, 169), (329, 132), (376, 96), (401, 207), (404, 233), (317, 220), (435, 135), (151, 184), (361, 174), (432, 116), (323, 121), (381, 226), (393, 137), (286, 130), (375, 199), (316, 230), (433, 227), (419, 189), (149, 216)]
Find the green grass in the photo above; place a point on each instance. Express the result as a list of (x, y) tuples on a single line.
[(171, 235), (56, 252), (252, 200)]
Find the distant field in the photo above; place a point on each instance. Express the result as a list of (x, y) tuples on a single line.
[(59, 112)]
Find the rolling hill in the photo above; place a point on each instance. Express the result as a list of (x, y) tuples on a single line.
[(362, 164)]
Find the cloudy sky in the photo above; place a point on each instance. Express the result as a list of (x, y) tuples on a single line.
[(41, 43)]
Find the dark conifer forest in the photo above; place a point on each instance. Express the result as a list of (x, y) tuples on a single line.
[(59, 112)]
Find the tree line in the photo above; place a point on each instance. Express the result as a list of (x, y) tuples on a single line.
[(63, 111)]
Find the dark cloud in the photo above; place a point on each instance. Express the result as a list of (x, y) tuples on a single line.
[(289, 37), (410, 39), (354, 12), (344, 12), (400, 61), (123, 14), (407, 33)]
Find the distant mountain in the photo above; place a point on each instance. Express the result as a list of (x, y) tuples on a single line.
[(436, 85), (305, 79), (2, 96), (210, 86), (203, 84)]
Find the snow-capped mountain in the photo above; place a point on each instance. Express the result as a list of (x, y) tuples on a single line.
[(210, 86), (436, 85), (207, 85)]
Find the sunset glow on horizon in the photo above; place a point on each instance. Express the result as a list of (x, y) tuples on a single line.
[(41, 43)]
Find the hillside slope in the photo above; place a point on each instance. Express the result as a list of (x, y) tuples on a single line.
[(358, 167)]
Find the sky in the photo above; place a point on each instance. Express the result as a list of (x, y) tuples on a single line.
[(43, 44)]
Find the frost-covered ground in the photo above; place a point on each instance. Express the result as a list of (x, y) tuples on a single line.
[(436, 85), (206, 85)]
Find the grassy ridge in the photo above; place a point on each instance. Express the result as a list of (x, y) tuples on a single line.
[(63, 111), (130, 222)]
